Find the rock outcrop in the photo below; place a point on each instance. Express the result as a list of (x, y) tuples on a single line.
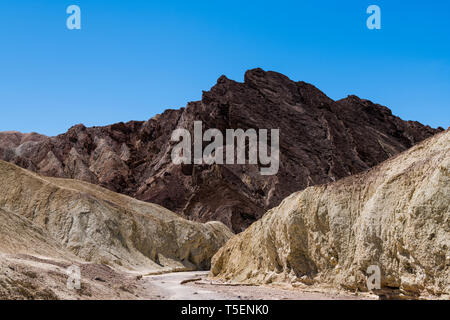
[(321, 141), (14, 139), (63, 218), (395, 216)]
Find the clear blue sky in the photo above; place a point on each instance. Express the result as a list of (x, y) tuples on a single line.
[(133, 59)]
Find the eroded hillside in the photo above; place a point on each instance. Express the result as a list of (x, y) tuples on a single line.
[(321, 140), (395, 216)]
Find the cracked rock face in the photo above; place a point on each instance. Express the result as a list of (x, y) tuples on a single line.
[(57, 217), (321, 141), (395, 216)]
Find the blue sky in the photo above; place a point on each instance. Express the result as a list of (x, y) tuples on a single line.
[(133, 59)]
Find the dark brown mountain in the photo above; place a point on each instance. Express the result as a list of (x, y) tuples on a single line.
[(321, 140)]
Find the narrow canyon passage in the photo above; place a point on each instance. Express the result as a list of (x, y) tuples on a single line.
[(195, 285)]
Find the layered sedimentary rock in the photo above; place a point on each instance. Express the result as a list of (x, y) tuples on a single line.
[(321, 140), (64, 218), (395, 216), (14, 139)]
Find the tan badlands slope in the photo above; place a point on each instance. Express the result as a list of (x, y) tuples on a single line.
[(63, 218), (395, 216)]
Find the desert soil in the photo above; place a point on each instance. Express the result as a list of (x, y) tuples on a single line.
[(32, 277), (169, 286)]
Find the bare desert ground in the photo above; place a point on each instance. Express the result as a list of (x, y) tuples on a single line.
[(35, 277), (197, 286)]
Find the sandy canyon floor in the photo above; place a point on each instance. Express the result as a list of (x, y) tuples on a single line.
[(32, 277), (199, 287)]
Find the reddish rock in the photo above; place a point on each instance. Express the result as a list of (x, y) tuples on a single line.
[(321, 140)]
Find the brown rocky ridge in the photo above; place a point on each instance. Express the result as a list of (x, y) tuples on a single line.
[(321, 141), (395, 216)]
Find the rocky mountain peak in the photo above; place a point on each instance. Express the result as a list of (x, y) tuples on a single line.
[(321, 141)]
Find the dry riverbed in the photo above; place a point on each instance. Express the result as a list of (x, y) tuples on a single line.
[(32, 277), (197, 286)]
